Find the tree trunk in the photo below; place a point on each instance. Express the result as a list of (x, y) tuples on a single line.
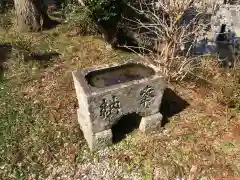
[(31, 15)]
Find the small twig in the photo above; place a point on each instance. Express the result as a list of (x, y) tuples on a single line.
[(81, 2)]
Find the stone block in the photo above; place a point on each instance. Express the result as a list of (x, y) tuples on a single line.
[(106, 93), (150, 123)]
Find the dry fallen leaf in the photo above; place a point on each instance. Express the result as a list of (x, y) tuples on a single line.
[(193, 172)]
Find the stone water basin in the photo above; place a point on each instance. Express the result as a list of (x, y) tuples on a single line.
[(108, 92)]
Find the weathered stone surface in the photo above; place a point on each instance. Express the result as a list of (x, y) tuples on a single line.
[(101, 139), (95, 141), (150, 123), (229, 15), (226, 28), (101, 107)]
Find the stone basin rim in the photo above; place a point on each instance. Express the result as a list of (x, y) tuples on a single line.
[(80, 74), (137, 60), (120, 71)]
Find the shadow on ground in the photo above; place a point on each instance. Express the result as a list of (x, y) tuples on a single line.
[(172, 104), (50, 24), (5, 49), (44, 58), (124, 126)]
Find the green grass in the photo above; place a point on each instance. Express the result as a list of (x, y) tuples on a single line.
[(19, 118)]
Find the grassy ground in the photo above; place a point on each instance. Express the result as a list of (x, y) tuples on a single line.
[(40, 137)]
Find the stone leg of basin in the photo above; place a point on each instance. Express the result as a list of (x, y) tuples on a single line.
[(97, 140), (150, 123), (101, 140)]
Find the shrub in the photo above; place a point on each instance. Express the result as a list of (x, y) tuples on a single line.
[(5, 5), (172, 27), (79, 18), (104, 9), (6, 20)]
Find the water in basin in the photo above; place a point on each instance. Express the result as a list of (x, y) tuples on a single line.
[(120, 74)]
